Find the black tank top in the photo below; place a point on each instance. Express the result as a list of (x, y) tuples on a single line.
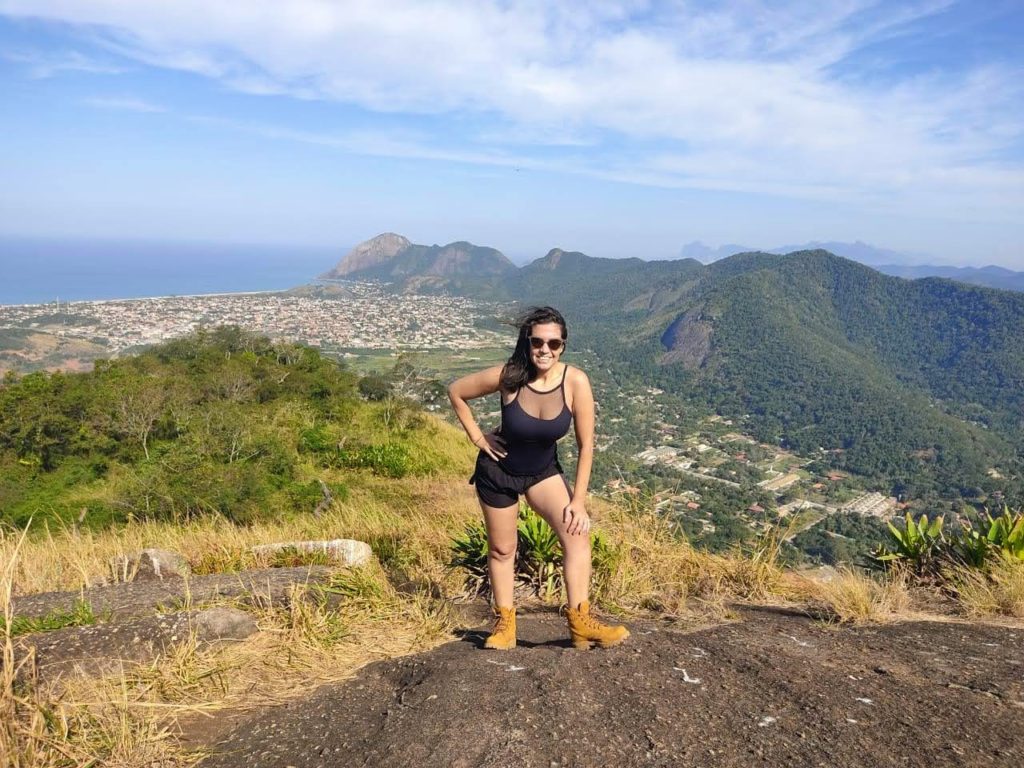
[(531, 424)]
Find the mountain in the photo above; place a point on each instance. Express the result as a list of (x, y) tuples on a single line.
[(917, 383), (859, 251), (706, 254), (457, 266), (369, 255), (896, 263), (991, 276)]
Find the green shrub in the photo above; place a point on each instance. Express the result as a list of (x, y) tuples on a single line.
[(315, 440), (1006, 533), (469, 552), (387, 459)]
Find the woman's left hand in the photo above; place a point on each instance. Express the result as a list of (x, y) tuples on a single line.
[(575, 518)]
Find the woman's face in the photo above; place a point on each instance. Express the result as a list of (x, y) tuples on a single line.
[(544, 358)]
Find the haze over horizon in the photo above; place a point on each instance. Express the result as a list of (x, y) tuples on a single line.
[(616, 129)]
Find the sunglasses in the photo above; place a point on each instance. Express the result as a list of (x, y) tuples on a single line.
[(553, 344)]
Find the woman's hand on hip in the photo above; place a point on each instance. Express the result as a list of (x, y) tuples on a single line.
[(492, 444), (575, 518)]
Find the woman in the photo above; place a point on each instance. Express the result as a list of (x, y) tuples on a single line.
[(540, 396)]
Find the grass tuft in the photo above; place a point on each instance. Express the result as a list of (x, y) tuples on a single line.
[(856, 597), (80, 616), (999, 592)]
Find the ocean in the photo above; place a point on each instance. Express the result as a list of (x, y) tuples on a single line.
[(35, 271)]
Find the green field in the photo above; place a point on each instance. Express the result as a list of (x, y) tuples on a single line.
[(443, 364)]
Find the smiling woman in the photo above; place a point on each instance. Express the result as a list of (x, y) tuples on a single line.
[(540, 397)]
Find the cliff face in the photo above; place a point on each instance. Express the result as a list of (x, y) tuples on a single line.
[(379, 250), (688, 340)]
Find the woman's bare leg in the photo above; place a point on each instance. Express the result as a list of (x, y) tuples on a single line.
[(502, 526), (549, 497)]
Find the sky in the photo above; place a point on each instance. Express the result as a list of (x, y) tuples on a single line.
[(614, 128)]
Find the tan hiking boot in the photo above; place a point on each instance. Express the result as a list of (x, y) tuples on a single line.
[(586, 630), (503, 638)]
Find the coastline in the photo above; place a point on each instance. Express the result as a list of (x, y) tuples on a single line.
[(146, 298)]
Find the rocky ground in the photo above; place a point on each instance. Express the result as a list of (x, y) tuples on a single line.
[(767, 689), (771, 687), (140, 620)]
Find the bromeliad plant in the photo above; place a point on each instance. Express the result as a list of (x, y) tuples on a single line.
[(925, 547), (1006, 533), (1003, 535), (538, 555), (918, 544)]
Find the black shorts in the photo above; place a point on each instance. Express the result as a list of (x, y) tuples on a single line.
[(498, 488)]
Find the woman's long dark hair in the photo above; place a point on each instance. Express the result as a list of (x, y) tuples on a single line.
[(519, 369)]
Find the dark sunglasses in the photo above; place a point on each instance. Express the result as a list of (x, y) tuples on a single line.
[(553, 344)]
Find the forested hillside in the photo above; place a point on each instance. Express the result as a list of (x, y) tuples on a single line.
[(219, 422), (901, 380), (918, 384)]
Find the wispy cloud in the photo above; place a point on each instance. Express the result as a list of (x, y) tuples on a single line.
[(753, 95), (124, 104), (40, 65)]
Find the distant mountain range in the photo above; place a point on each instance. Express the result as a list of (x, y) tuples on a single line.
[(918, 382), (889, 262)]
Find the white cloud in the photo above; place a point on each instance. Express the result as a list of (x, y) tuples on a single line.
[(124, 104), (741, 96), (41, 66)]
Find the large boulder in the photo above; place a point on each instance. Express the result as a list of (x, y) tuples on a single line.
[(341, 551)]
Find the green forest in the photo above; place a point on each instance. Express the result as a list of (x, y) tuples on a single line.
[(220, 422), (917, 385)]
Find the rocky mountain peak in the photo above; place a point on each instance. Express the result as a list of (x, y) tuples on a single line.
[(553, 257), (370, 253)]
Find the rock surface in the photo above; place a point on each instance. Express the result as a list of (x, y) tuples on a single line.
[(103, 648), (150, 565), (771, 690), (142, 597), (347, 552)]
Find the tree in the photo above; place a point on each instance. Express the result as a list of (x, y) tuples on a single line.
[(137, 410)]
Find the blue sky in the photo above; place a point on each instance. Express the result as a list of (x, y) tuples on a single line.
[(616, 128)]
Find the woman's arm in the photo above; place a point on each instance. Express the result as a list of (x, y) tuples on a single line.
[(578, 521), (474, 385)]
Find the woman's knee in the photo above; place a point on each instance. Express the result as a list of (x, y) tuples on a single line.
[(502, 554)]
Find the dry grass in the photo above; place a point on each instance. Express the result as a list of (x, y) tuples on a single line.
[(856, 597), (651, 570), (412, 519), (129, 718), (1000, 592)]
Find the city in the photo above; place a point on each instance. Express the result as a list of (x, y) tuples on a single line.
[(362, 317)]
